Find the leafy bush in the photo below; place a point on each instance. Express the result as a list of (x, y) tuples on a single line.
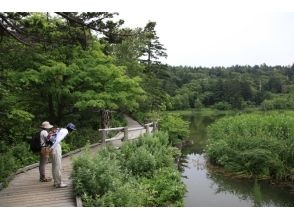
[(96, 176), (23, 154), (13, 158), (175, 126), (8, 165), (129, 194), (223, 106), (20, 122), (135, 175), (279, 102), (156, 148), (141, 162), (166, 188), (259, 145), (81, 137), (140, 116)]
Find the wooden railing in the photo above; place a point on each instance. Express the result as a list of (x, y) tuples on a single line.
[(124, 136)]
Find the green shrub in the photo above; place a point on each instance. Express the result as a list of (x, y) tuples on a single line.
[(141, 162), (8, 165), (279, 102), (96, 176), (23, 154), (141, 173), (175, 126), (157, 148), (81, 137), (166, 188), (140, 117), (14, 157), (129, 194), (223, 106)]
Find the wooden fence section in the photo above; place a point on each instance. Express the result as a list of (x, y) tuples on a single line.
[(26, 190), (127, 133)]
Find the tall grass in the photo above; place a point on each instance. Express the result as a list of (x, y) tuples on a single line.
[(260, 145)]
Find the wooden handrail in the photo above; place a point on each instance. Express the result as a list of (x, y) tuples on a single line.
[(126, 131), (112, 129), (136, 129)]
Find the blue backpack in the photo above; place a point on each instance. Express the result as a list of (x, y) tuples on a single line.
[(51, 138)]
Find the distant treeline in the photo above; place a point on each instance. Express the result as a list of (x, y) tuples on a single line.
[(233, 87)]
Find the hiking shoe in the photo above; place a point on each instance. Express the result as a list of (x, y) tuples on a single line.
[(61, 185), (43, 179)]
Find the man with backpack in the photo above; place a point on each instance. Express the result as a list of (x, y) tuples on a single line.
[(56, 154), (46, 126)]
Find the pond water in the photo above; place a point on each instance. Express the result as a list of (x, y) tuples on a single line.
[(207, 188)]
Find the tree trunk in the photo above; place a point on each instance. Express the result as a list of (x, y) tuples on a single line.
[(105, 119), (149, 57)]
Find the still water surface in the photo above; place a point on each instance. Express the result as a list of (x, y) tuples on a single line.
[(207, 188)]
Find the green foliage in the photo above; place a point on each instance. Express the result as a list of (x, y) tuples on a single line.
[(20, 122), (166, 188), (8, 165), (141, 163), (175, 126), (59, 82), (129, 194), (81, 137), (237, 85), (13, 158), (139, 116), (259, 145), (141, 173), (153, 49), (147, 154), (96, 176), (222, 106), (129, 50), (279, 102)]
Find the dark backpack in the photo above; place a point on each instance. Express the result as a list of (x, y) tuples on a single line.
[(36, 142)]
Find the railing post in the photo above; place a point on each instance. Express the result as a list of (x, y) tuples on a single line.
[(103, 136), (126, 134), (147, 129), (154, 126)]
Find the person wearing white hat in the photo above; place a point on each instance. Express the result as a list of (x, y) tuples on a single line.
[(46, 126)]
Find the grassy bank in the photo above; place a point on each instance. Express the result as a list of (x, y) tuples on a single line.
[(214, 112), (259, 144)]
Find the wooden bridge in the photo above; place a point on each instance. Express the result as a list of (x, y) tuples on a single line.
[(26, 190)]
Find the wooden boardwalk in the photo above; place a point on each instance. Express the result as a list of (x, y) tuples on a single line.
[(25, 189)]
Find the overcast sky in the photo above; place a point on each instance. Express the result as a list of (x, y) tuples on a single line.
[(202, 32), (222, 38)]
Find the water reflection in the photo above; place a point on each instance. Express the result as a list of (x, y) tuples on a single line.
[(256, 193), (208, 188)]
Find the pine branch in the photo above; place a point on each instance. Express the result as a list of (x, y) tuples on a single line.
[(70, 18), (13, 35)]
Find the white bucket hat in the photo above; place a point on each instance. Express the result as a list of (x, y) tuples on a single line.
[(46, 125)]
